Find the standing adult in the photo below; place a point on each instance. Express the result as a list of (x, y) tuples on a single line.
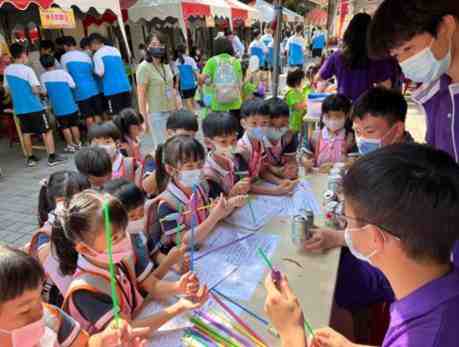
[(354, 70), (424, 37), (155, 88), (296, 48), (109, 66)]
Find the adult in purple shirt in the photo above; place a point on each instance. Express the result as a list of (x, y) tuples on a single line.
[(424, 36), (401, 215), (355, 72)]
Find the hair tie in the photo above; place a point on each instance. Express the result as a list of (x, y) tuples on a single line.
[(44, 183)]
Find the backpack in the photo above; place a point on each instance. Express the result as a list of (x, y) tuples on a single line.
[(227, 83)]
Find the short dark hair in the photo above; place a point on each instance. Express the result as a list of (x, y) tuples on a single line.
[(182, 119), (223, 45), (47, 61), (264, 108), (60, 40), (84, 43), (250, 107), (278, 108), (127, 192), (93, 161), (412, 192), (17, 50), (19, 272), (96, 38), (295, 77), (219, 124), (69, 41), (107, 129), (336, 102), (381, 102), (47, 44), (299, 28), (256, 32), (396, 22)]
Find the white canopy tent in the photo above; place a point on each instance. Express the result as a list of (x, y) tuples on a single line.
[(267, 12)]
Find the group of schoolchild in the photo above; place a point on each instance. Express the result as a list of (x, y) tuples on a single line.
[(89, 81)]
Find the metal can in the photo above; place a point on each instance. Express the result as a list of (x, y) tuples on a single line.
[(310, 219), (335, 183), (300, 231)]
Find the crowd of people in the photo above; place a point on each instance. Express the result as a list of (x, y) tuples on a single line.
[(398, 237)]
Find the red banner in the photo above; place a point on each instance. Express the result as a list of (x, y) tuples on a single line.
[(23, 4), (195, 10)]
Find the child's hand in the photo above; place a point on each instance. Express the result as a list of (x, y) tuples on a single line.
[(121, 334), (327, 337), (237, 201), (220, 210), (290, 171), (241, 188), (196, 301), (286, 187), (188, 284)]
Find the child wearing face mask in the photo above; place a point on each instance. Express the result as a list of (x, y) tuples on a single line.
[(78, 238), (182, 162), (225, 170), (129, 123), (107, 136), (94, 163), (26, 321)]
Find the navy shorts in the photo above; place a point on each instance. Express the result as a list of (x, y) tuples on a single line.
[(34, 123)]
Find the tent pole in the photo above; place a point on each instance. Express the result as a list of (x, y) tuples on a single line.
[(276, 47)]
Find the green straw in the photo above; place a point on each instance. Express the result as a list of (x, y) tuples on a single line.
[(265, 258), (212, 332), (308, 328), (109, 240)]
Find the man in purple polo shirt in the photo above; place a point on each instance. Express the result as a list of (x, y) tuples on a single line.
[(424, 37), (401, 217)]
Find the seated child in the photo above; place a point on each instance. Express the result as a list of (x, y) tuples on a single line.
[(107, 136), (94, 163), (129, 123), (58, 84), (225, 170), (252, 149), (26, 321), (79, 241), (181, 122), (296, 98), (281, 143), (334, 139), (182, 162)]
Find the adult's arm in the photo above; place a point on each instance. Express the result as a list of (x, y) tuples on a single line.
[(328, 70)]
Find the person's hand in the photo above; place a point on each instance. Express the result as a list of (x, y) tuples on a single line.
[(237, 201), (283, 308), (241, 188), (323, 240), (195, 301), (188, 284), (327, 337), (290, 171), (326, 168), (120, 334), (287, 187), (220, 210), (179, 257)]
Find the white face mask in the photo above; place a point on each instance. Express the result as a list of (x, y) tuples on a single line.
[(190, 178), (110, 149), (276, 134), (423, 67), (354, 251), (120, 250), (335, 124), (27, 336)]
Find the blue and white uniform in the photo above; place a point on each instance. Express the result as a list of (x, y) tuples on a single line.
[(58, 84), (258, 49), (296, 49), (80, 66), (267, 39), (19, 80), (187, 73), (115, 81)]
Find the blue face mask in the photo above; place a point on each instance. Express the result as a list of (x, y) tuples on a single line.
[(366, 146), (258, 133)]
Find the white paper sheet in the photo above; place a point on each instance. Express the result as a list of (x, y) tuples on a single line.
[(173, 339), (177, 323), (303, 198)]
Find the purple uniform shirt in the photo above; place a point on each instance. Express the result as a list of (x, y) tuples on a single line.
[(426, 317), (440, 102), (354, 82)]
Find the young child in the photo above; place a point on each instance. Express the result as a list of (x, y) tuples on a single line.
[(187, 72), (94, 163), (182, 162), (129, 123), (256, 122), (181, 122), (296, 98), (25, 321), (334, 139), (281, 143), (59, 86), (107, 136), (79, 241)]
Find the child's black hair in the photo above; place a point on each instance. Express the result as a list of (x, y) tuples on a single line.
[(250, 107), (278, 108), (47, 44), (183, 119), (219, 124), (412, 192), (61, 184), (47, 61), (180, 52), (336, 102), (84, 43), (93, 161), (17, 50), (96, 38), (104, 130), (78, 223), (19, 272), (295, 77), (125, 119), (69, 41), (127, 192), (178, 149), (264, 108)]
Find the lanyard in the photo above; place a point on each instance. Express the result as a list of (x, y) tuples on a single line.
[(163, 75)]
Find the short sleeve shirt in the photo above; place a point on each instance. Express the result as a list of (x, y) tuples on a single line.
[(58, 84), (186, 72), (292, 98), (109, 65)]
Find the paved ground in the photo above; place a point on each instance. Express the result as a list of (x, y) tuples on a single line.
[(20, 185)]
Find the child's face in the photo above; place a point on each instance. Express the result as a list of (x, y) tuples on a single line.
[(98, 182), (378, 128), (255, 121), (279, 122), (135, 131), (136, 214), (335, 115), (224, 140), (173, 132), (19, 312), (99, 243), (103, 141)]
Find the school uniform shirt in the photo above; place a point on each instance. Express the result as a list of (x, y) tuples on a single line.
[(427, 317), (270, 55), (329, 147), (58, 84), (238, 47), (109, 65), (258, 49), (276, 152), (267, 39), (296, 48), (253, 152), (186, 72), (124, 167), (318, 41), (60, 327), (80, 66), (19, 80)]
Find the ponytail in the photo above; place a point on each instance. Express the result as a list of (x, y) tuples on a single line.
[(63, 247), (161, 175)]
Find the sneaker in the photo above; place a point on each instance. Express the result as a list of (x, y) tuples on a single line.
[(31, 162), (35, 158), (70, 149), (78, 146), (56, 159)]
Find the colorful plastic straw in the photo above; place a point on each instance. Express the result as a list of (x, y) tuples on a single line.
[(251, 210), (212, 332), (109, 240), (178, 239), (194, 206)]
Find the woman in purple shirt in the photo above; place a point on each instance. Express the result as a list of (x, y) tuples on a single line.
[(401, 216), (354, 71)]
